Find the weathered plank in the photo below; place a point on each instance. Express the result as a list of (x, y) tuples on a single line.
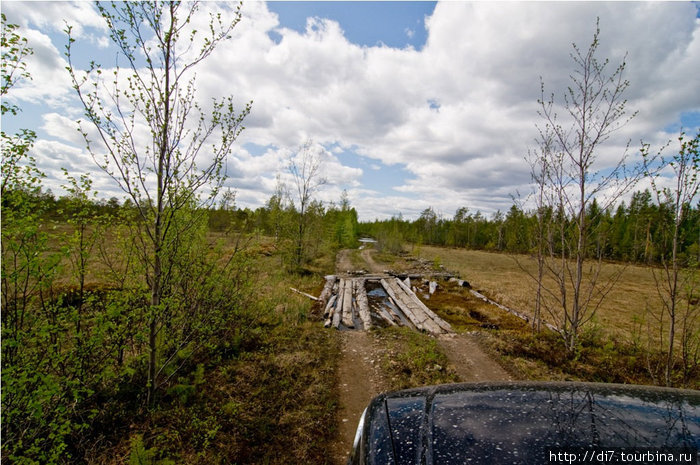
[(402, 303), (510, 310), (442, 324), (337, 315), (329, 306), (423, 314), (304, 294), (347, 304), (362, 303), (327, 291)]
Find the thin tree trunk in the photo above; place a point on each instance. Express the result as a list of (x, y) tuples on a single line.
[(156, 289), (673, 297)]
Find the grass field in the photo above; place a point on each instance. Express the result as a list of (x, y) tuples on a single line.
[(620, 344), (505, 279)]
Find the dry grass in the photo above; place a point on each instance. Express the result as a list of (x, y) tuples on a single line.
[(626, 312)]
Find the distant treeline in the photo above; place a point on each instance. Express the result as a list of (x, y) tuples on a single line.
[(638, 232), (327, 226)]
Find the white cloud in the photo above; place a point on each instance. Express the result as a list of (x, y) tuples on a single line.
[(458, 115), (51, 16)]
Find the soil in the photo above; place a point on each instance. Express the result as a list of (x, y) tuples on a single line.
[(360, 376), (470, 362), (360, 379), (343, 263), (373, 266)]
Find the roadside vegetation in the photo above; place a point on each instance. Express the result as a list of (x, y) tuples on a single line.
[(621, 345), (159, 328), (412, 359)]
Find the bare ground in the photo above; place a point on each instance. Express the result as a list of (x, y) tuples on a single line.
[(361, 377), (343, 263), (470, 362), (373, 266)]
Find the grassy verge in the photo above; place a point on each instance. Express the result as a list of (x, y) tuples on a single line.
[(626, 312), (271, 404), (412, 359), (268, 396)]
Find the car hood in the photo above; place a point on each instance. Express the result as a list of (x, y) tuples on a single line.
[(498, 423)]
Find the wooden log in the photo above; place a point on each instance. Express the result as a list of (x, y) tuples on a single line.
[(329, 306), (304, 294), (331, 310), (401, 321), (431, 321), (442, 324), (338, 313), (329, 320), (418, 318), (347, 304), (395, 315), (510, 310), (327, 289), (407, 299), (362, 303), (336, 316), (394, 293), (385, 315)]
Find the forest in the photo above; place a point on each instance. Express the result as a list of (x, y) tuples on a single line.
[(637, 233)]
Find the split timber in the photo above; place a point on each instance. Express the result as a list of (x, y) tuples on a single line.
[(346, 305)]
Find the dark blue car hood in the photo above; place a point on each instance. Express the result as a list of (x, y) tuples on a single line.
[(525, 423)]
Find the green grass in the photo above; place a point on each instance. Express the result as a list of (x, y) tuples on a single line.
[(412, 359), (269, 395), (273, 404)]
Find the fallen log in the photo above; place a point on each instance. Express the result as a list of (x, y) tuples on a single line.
[(522, 316), (329, 306), (347, 304), (338, 313), (362, 303), (329, 320), (402, 304), (327, 289), (385, 315), (304, 294), (400, 319), (407, 299), (442, 324)]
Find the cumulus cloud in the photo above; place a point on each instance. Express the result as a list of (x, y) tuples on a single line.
[(458, 115)]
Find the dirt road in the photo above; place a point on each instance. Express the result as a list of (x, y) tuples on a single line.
[(372, 266), (360, 375), (360, 378)]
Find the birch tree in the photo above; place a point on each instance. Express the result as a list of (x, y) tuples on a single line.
[(145, 128), (671, 280), (593, 108), (305, 168)]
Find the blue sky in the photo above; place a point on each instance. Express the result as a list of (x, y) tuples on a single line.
[(411, 104), (394, 24)]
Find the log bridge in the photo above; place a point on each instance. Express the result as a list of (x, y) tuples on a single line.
[(347, 306)]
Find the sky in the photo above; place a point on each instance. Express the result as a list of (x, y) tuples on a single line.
[(410, 105)]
